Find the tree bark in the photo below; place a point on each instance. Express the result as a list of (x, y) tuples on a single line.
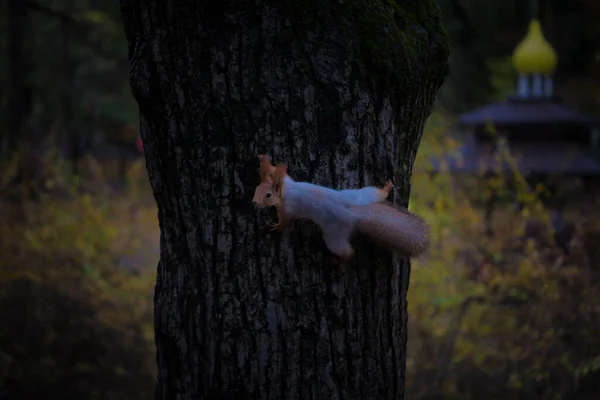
[(341, 91)]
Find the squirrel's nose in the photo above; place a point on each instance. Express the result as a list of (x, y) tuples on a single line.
[(254, 202)]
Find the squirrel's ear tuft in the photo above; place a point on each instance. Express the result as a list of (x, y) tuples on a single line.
[(266, 169), (278, 176), (280, 171)]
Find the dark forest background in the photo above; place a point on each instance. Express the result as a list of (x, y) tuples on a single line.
[(508, 316)]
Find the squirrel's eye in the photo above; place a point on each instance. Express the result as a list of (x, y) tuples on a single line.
[(268, 195)]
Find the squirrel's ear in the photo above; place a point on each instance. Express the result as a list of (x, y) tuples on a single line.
[(279, 171), (278, 175), (266, 169)]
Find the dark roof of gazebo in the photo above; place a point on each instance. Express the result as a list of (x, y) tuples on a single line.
[(516, 111), (545, 158)]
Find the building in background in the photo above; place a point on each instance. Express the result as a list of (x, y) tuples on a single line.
[(534, 132), (542, 134)]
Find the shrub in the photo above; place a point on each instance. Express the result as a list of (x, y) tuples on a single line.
[(76, 322), (504, 315)]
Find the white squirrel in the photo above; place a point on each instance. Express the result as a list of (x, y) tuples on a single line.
[(340, 213)]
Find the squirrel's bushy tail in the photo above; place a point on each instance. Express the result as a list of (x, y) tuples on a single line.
[(398, 230)]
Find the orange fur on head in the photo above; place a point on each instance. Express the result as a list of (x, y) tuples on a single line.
[(263, 194)]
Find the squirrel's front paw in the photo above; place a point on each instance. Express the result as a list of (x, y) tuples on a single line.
[(274, 226), (341, 259)]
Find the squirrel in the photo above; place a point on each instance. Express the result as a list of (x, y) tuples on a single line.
[(263, 194), (397, 230)]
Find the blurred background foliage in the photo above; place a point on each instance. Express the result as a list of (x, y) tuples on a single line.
[(76, 283), (514, 314), (509, 315)]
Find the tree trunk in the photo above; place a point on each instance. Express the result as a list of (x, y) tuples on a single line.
[(70, 138), (340, 90), (19, 88)]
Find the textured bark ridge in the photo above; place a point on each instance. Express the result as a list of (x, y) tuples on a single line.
[(341, 91)]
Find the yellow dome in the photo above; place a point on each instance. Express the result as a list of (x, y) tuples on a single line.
[(534, 55)]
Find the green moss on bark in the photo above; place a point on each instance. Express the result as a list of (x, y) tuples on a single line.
[(393, 40), (391, 34)]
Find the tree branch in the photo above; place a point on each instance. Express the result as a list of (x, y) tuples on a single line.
[(73, 24)]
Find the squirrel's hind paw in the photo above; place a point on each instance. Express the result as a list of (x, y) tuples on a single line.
[(384, 192), (388, 186)]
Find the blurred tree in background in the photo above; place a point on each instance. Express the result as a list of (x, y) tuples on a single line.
[(65, 71), (514, 315)]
